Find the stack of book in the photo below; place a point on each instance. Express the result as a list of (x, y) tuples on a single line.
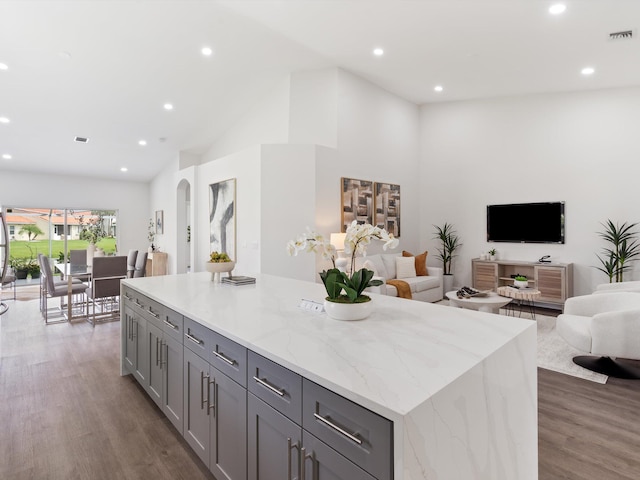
[(238, 280)]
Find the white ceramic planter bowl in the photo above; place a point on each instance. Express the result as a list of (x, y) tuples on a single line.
[(348, 311), (521, 283), (217, 268)]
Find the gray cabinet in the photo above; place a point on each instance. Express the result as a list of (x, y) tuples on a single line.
[(215, 410), (165, 385), (323, 463), (135, 354)]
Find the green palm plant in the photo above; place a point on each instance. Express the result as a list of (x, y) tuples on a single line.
[(623, 250), (450, 242)]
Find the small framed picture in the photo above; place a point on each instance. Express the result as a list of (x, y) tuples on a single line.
[(159, 221)]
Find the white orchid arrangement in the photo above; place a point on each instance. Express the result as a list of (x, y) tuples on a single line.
[(357, 239)]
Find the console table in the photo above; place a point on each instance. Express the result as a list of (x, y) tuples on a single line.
[(553, 280), (261, 388)]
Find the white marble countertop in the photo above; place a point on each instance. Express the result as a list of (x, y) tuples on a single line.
[(391, 362)]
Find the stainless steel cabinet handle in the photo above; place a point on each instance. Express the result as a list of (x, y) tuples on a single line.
[(202, 399), (264, 383), (212, 406), (327, 422), (289, 448), (126, 295), (169, 324), (193, 339), (157, 347), (157, 315), (164, 358), (135, 335), (138, 304), (303, 462), (224, 358)]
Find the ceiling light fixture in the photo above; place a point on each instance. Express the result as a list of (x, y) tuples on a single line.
[(81, 139), (438, 88), (207, 51), (124, 169), (4, 120), (168, 106), (557, 9), (378, 52), (587, 71), (4, 66), (6, 156), (142, 143)]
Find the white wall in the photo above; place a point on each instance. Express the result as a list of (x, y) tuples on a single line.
[(266, 122), (131, 199), (580, 148)]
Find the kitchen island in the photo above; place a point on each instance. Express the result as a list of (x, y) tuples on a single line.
[(457, 387)]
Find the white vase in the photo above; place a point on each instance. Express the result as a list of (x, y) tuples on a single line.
[(521, 283), (91, 251), (348, 311), (447, 282), (492, 257)]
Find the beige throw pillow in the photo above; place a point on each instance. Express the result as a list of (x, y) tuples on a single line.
[(405, 267)]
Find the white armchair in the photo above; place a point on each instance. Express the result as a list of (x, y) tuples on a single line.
[(607, 324), (633, 286)]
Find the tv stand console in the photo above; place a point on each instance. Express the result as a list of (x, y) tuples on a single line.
[(554, 280)]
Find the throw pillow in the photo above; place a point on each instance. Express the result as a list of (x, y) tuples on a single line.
[(405, 267), (369, 265), (421, 263)]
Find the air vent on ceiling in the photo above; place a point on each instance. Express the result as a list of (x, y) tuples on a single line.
[(81, 139), (623, 35)]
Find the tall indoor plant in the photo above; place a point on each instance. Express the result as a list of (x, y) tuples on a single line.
[(624, 249), (345, 288), (449, 244)]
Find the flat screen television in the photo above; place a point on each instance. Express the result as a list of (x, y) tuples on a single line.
[(526, 223)]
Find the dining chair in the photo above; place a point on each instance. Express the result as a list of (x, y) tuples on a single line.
[(141, 265), (131, 262), (9, 279), (79, 257), (107, 272), (53, 289)]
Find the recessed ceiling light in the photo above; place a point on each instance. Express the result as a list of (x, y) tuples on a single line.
[(587, 71), (378, 52), (168, 106), (438, 88), (3, 66), (124, 169), (4, 120), (207, 51), (142, 142), (557, 9), (6, 156)]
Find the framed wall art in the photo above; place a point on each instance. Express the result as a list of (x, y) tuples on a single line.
[(357, 201), (222, 217), (387, 207), (159, 222)]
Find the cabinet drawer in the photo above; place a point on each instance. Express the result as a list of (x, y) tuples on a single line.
[(172, 323), (229, 357), (151, 310), (362, 436), (197, 338), (279, 387)]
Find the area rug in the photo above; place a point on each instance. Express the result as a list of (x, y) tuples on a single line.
[(553, 352)]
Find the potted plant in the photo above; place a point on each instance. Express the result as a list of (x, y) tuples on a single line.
[(624, 248), (520, 281), (218, 263), (33, 268), (345, 299), (450, 243), (19, 266), (492, 254)]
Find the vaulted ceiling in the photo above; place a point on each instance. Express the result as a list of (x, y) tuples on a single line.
[(104, 70)]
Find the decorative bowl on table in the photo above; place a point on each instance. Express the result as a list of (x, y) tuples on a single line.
[(216, 268)]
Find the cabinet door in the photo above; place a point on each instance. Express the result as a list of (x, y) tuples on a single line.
[(324, 463), (130, 340), (551, 283), (154, 379), (196, 404), (141, 362), (485, 275), (173, 388), (228, 429), (273, 444)]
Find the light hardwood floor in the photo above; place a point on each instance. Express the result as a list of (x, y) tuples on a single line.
[(65, 413)]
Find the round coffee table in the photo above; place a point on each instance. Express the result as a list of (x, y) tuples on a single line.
[(490, 303)]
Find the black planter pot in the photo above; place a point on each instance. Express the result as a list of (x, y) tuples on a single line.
[(21, 274), (35, 274)]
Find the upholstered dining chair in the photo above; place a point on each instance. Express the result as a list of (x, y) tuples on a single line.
[(56, 290), (606, 325), (9, 279), (141, 265), (131, 262), (79, 257), (43, 286), (107, 272)]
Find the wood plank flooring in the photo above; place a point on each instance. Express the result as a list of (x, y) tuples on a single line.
[(65, 413)]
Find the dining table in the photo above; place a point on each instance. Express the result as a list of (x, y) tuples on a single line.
[(71, 271)]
